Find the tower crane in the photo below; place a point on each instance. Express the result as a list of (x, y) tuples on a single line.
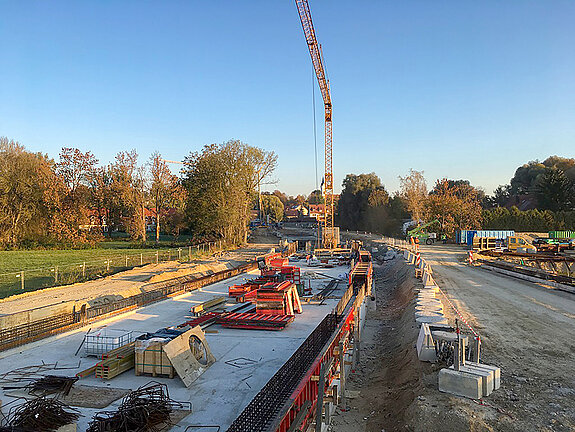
[(318, 65)]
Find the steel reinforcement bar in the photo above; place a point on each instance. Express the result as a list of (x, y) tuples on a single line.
[(29, 332)]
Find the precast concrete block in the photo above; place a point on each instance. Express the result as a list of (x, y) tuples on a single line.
[(431, 319), (425, 345), (428, 302), (429, 309), (460, 383), (419, 314), (486, 377), (496, 372), (426, 295)]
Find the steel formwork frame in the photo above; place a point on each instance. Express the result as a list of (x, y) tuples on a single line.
[(305, 396)]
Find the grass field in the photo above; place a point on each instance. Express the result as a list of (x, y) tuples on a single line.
[(46, 268)]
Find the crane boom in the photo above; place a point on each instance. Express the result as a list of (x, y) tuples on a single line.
[(318, 65)]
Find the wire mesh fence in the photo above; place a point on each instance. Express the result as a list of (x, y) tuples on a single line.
[(27, 280)]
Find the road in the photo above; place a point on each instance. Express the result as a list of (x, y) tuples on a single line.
[(527, 330)]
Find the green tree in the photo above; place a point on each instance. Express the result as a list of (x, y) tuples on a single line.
[(315, 197), (272, 207), (554, 191), (218, 182)]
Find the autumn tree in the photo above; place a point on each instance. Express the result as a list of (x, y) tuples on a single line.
[(126, 188), (24, 181), (75, 170), (219, 182), (455, 203), (165, 190), (413, 190)]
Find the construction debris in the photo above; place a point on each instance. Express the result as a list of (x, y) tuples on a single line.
[(145, 409)]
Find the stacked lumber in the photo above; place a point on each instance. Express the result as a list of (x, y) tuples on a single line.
[(255, 321), (115, 362), (205, 306)]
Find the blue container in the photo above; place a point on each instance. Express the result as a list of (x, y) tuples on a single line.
[(498, 234)]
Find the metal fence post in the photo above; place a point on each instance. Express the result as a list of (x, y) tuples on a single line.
[(108, 265), (126, 260), (84, 270), (179, 254), (157, 256)]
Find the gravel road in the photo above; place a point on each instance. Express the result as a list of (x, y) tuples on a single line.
[(527, 330)]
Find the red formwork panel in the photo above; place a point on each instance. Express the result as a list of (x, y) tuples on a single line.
[(308, 388)]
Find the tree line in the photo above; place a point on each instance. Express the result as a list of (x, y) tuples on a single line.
[(44, 202), (547, 187)]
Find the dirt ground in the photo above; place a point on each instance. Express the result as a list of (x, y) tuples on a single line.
[(527, 331)]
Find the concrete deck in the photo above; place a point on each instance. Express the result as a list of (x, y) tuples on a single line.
[(224, 390)]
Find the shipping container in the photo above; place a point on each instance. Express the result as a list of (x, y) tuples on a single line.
[(497, 234), (561, 234)]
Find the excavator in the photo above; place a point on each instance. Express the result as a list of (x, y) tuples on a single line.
[(418, 232)]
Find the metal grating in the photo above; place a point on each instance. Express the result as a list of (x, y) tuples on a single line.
[(266, 405)]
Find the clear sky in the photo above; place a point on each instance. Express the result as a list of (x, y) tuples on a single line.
[(459, 89)]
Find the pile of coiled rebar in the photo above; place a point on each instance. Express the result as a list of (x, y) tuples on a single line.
[(145, 409)]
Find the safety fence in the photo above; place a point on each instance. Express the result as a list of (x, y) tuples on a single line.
[(31, 279), (25, 333)]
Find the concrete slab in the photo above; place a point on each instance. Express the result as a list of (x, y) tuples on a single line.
[(224, 389), (460, 383)]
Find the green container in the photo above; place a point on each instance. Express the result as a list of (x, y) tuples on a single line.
[(561, 234)]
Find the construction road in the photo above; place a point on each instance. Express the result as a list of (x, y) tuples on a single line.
[(527, 330)]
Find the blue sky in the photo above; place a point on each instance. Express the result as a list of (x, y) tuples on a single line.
[(459, 89)]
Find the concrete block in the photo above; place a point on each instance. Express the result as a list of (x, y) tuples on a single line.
[(435, 308), (446, 336), (440, 327), (460, 383), (428, 313), (425, 345), (486, 377), (428, 302), (427, 293), (431, 319), (496, 372)]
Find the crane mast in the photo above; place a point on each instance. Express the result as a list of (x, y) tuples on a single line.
[(318, 65)]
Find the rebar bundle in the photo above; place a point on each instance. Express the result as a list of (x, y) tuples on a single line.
[(41, 415), (51, 384), (146, 409)]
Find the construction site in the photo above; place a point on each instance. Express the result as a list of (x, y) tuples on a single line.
[(303, 326)]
